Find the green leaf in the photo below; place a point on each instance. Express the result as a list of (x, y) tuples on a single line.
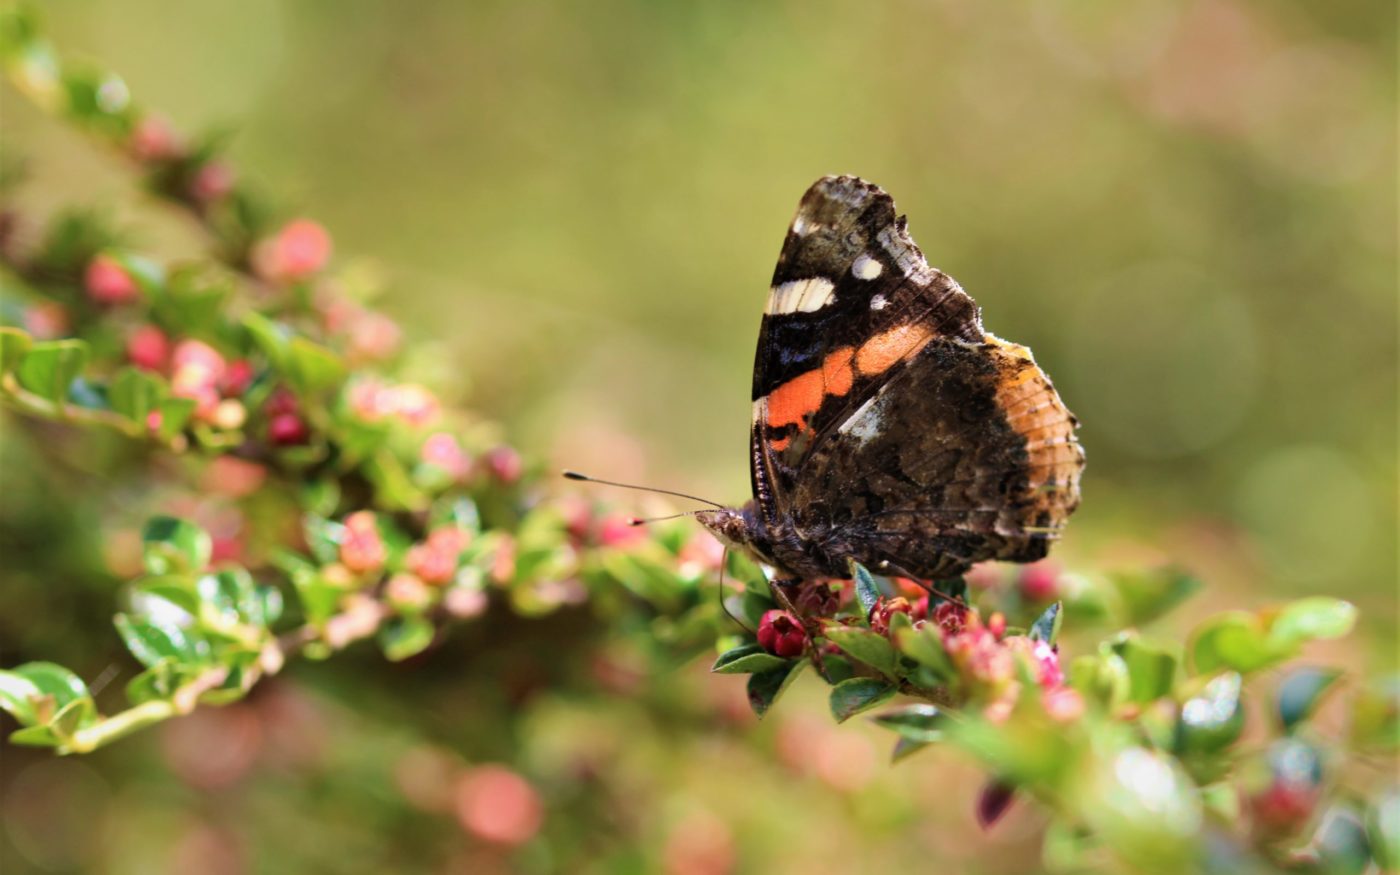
[(313, 368), (1311, 619), (402, 637), (174, 545), (134, 393), (36, 736), (748, 659), (393, 487), (14, 343), (174, 588), (1375, 718), (1300, 692), (1214, 719), (764, 688), (1233, 640), (175, 414), (904, 748), (50, 367), (1144, 807), (232, 593), (865, 646), (155, 683), (740, 567), (1151, 670), (17, 695), (1383, 828), (867, 591), (925, 646), (152, 640), (1341, 842), (919, 722), (54, 680), (1047, 627), (271, 338), (851, 697), (1148, 594)]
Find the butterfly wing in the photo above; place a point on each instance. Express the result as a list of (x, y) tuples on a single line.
[(885, 421), (851, 298)]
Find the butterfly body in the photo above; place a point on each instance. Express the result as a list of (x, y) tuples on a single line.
[(888, 427)]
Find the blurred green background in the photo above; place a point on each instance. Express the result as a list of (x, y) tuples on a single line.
[(1187, 209)]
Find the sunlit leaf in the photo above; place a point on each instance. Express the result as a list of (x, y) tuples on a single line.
[(50, 367), (748, 659), (864, 646), (173, 545)]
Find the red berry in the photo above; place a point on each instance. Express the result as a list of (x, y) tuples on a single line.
[(287, 429), (781, 634), (107, 282)]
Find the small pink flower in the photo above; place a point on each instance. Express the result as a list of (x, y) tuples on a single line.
[(46, 320), (297, 251), (362, 549), (884, 611), (464, 602), (443, 451), (107, 282), (1063, 704), (781, 634), (148, 348), (201, 363), (407, 591), (949, 617), (373, 337), (503, 563), (702, 553), (366, 399), (435, 561), (229, 414), (505, 464), (415, 403), (1043, 657)]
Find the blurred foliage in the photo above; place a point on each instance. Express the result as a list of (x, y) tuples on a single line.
[(239, 432)]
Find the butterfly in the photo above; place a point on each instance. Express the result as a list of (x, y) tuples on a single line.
[(888, 427)]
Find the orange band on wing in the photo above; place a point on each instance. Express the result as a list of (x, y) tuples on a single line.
[(798, 398), (881, 352)]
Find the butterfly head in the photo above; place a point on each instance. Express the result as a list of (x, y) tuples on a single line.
[(736, 527)]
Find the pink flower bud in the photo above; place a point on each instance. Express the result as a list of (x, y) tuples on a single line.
[(781, 634), (617, 530), (362, 549), (1040, 582), (107, 282), (148, 348), (153, 140), (238, 376), (464, 602), (435, 561), (212, 182), (996, 624), (1063, 704), (287, 429)]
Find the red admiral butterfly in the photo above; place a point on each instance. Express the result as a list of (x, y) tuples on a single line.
[(888, 427)]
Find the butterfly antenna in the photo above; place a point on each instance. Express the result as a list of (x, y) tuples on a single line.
[(574, 475), (641, 521)]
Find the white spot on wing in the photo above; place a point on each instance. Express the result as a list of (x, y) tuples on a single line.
[(866, 268), (799, 226), (864, 424), (878, 302), (804, 296)]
